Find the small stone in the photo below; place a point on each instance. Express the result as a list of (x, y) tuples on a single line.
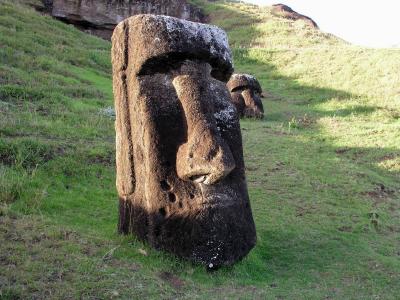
[(142, 251), (114, 294)]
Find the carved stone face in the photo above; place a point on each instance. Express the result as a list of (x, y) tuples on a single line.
[(246, 95), (180, 169)]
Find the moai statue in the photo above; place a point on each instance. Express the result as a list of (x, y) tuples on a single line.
[(180, 170), (246, 94)]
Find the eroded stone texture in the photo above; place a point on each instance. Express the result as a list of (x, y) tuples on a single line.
[(246, 95), (180, 169)]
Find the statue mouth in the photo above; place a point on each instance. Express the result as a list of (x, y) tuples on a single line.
[(204, 179)]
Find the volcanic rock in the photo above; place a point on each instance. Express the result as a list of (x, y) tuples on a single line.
[(180, 169), (282, 10), (101, 16)]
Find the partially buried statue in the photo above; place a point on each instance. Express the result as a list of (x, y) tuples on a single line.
[(246, 94), (180, 169)]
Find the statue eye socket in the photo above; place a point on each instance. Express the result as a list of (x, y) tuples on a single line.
[(239, 89), (173, 63)]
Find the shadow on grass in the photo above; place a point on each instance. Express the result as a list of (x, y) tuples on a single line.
[(311, 222), (306, 226), (310, 227), (279, 87), (239, 22)]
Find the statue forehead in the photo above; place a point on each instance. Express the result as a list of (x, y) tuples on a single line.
[(152, 41), (243, 80)]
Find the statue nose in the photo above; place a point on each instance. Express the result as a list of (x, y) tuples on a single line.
[(252, 99), (253, 104), (204, 157)]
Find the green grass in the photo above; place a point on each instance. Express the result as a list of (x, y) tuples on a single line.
[(323, 168)]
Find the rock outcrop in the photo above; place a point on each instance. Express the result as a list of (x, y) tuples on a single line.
[(100, 17), (179, 156), (282, 10)]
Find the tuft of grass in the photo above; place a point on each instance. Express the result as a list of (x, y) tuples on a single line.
[(322, 168), (11, 185), (26, 153)]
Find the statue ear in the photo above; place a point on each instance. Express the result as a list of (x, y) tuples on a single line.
[(124, 148)]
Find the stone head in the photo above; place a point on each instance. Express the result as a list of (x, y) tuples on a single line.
[(246, 95), (180, 169)]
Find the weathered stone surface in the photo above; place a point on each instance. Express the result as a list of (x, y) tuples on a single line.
[(180, 169), (44, 6), (282, 10), (246, 95), (101, 16)]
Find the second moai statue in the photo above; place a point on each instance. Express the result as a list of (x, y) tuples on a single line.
[(180, 170), (246, 94)]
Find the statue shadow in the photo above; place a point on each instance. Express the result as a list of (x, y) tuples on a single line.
[(278, 87), (292, 243), (310, 235), (286, 97)]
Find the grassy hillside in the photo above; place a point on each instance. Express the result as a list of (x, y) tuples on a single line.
[(323, 168)]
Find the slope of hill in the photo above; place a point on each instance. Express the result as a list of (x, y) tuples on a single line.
[(323, 168)]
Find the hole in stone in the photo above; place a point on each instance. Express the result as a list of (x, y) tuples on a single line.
[(190, 155), (180, 205), (162, 211), (164, 185), (157, 231), (171, 197), (213, 153), (191, 196)]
